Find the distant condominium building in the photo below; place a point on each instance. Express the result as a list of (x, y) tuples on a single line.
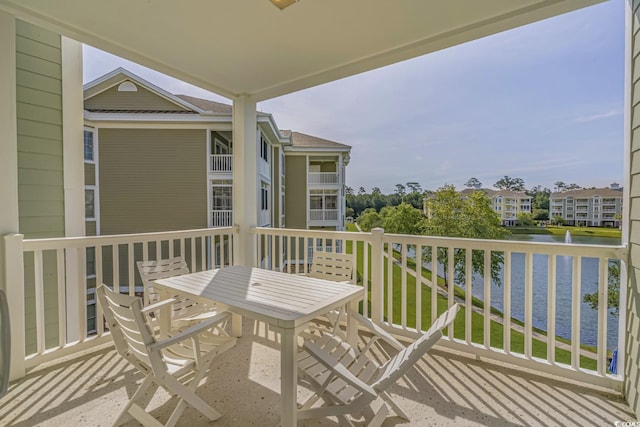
[(506, 203), (597, 207)]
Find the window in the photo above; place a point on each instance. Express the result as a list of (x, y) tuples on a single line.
[(282, 162), (323, 199), (221, 194), (88, 146), (264, 197), (264, 150), (91, 262), (89, 204)]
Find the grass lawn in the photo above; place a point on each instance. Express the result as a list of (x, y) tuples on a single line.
[(575, 231), (539, 348)]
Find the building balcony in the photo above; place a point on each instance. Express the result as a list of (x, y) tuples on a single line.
[(221, 163), (323, 215), (490, 368), (221, 218), (323, 178)]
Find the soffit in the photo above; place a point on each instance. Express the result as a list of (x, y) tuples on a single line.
[(251, 48)]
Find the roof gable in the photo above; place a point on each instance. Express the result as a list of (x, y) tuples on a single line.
[(123, 91)]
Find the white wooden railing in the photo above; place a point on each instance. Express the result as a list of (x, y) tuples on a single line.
[(323, 214), (525, 329), (57, 289), (221, 218), (221, 163), (321, 178), (49, 317)]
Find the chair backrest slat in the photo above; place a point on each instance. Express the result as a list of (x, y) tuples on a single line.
[(150, 271), (332, 266), (129, 329)]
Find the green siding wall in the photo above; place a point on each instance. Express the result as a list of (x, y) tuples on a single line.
[(152, 180), (112, 99), (39, 121), (296, 191), (632, 360)]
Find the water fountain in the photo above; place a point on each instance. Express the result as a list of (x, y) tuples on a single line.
[(567, 237)]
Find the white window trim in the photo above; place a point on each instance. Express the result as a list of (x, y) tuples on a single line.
[(95, 142)]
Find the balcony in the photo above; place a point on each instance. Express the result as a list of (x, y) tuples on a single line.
[(450, 384), (221, 218), (323, 178), (221, 163), (322, 215)]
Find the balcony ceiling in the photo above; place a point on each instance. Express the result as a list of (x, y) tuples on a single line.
[(252, 48)]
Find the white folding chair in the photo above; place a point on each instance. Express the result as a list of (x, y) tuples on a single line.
[(337, 267), (186, 311), (166, 362), (349, 381)]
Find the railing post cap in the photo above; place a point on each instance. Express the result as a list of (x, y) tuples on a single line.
[(377, 230)]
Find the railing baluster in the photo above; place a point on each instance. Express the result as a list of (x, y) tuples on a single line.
[(390, 282), (131, 268), (603, 285), (434, 281), (193, 253), (450, 281), (468, 294), (203, 252), (39, 300), (99, 281), (528, 305), (507, 302), (576, 301), (419, 285), (62, 297), (487, 298), (403, 289), (551, 310), (115, 266)]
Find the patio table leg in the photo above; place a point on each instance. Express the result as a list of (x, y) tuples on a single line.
[(352, 327), (289, 377)]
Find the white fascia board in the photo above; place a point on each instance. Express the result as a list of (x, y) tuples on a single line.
[(324, 150), (128, 75), (157, 118), (269, 125)]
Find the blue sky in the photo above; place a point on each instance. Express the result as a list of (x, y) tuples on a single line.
[(543, 103)]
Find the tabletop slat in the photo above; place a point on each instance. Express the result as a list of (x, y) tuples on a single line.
[(282, 299)]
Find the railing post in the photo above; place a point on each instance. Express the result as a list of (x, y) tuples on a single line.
[(14, 279), (377, 274)]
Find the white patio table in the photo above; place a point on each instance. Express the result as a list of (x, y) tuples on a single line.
[(285, 301)]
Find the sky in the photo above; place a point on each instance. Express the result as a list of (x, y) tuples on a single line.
[(543, 102)]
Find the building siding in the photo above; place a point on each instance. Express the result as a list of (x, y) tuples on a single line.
[(152, 180), (632, 350), (296, 191), (142, 100), (39, 123)]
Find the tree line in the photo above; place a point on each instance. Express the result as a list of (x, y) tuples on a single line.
[(412, 194)]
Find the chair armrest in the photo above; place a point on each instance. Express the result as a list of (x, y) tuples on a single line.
[(377, 330), (338, 369), (158, 305), (191, 332)]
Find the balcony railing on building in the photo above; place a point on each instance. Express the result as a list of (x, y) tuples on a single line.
[(323, 178), (221, 163), (221, 218), (323, 215), (52, 320)]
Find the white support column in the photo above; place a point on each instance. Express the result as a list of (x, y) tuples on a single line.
[(73, 164), (14, 275), (9, 219), (245, 177)]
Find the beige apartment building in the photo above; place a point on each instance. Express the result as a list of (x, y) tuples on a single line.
[(506, 203), (135, 182), (597, 207)]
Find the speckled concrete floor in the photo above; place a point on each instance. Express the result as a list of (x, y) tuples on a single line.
[(444, 389)]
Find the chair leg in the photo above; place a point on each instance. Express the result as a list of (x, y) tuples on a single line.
[(122, 418), (399, 412), (187, 395)]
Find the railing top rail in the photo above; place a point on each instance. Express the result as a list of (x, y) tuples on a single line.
[(320, 234), (569, 249), (59, 242)]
